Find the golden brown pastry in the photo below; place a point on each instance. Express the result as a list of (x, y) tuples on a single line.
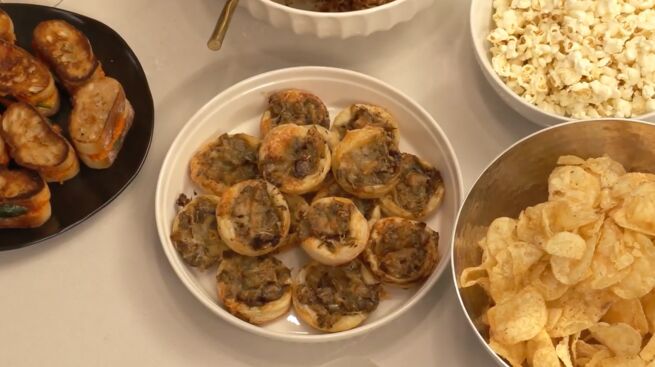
[(402, 251), (333, 231), (359, 115), (24, 199), (68, 52), (335, 298), (294, 158), (366, 163), (195, 231), (419, 192), (224, 162), (368, 207), (4, 153), (293, 106), (254, 289), (101, 118), (6, 28), (36, 144), (253, 218), (27, 79)]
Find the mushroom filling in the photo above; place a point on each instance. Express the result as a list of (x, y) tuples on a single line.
[(302, 159), (375, 163), (333, 292), (301, 111), (231, 159), (330, 223), (365, 206), (256, 218), (401, 249), (417, 185), (254, 281), (362, 117), (197, 238)]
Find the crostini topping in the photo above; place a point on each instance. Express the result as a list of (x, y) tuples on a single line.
[(375, 163), (329, 222), (196, 238), (363, 116), (334, 292), (302, 159), (254, 281), (417, 184), (301, 111), (365, 206), (230, 160), (257, 219), (402, 248)]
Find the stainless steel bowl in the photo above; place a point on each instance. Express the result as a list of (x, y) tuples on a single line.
[(518, 178)]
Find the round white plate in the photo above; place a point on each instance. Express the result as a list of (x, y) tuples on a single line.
[(238, 109)]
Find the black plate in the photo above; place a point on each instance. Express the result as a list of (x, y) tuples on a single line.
[(87, 193)]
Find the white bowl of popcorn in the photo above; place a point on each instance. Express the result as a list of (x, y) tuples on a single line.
[(555, 61)]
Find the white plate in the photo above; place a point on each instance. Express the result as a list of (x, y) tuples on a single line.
[(238, 109)]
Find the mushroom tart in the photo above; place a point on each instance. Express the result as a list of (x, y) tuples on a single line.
[(225, 161), (366, 163), (298, 206), (402, 251), (368, 207), (254, 289), (295, 158), (359, 115), (333, 231), (195, 233), (335, 298), (419, 192), (253, 218), (293, 106)]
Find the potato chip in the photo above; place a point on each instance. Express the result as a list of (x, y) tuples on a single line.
[(641, 278), (476, 275), (628, 311), (570, 160), (629, 182), (580, 311), (648, 351), (575, 185), (611, 259), (582, 349), (563, 352), (648, 304), (514, 354), (622, 339), (502, 282), (530, 226), (524, 255), (608, 170), (560, 216), (571, 271), (638, 210), (598, 358), (633, 361), (500, 234), (519, 317), (543, 279), (566, 244), (541, 352)]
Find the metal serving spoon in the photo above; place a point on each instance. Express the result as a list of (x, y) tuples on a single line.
[(216, 39)]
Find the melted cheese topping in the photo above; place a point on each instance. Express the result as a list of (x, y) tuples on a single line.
[(296, 107), (358, 116)]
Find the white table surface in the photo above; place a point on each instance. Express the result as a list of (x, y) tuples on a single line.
[(103, 294)]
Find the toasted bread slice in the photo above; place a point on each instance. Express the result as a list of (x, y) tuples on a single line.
[(68, 52), (101, 118), (24, 199), (6, 28), (35, 143), (27, 79)]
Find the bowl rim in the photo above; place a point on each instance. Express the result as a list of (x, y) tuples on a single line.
[(171, 254), (333, 15), (485, 64), (454, 275)]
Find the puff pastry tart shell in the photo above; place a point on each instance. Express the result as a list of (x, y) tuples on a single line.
[(225, 161), (255, 289), (366, 163), (295, 158), (293, 106), (402, 251), (253, 218), (335, 298), (360, 115), (333, 231), (419, 192), (369, 207)]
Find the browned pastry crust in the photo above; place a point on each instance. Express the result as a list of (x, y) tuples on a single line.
[(293, 106), (6, 28), (24, 199)]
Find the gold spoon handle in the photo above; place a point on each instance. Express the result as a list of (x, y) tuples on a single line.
[(216, 39)]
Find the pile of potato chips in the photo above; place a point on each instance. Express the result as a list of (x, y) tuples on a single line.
[(572, 279)]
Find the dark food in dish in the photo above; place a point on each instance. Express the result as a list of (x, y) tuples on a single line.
[(224, 162), (27, 79), (36, 144), (24, 199), (419, 192), (195, 232), (293, 106), (101, 118), (348, 5), (253, 218), (68, 52), (254, 289), (335, 298), (402, 251)]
